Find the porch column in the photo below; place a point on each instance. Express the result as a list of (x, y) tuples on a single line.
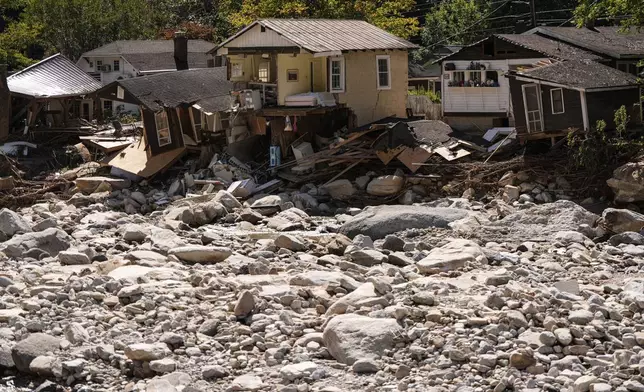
[(584, 109)]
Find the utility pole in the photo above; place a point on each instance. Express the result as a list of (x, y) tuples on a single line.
[(533, 13)]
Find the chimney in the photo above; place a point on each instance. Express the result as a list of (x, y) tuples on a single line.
[(180, 50)]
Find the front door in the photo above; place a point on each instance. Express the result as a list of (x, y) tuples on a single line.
[(533, 111)]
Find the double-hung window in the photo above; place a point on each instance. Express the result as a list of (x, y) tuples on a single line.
[(117, 65), (163, 128), (383, 64), (556, 98), (336, 72)]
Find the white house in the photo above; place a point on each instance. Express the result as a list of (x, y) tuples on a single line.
[(475, 91), (128, 59)]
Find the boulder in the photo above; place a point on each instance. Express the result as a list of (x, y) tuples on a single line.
[(201, 254), (385, 185), (245, 304), (51, 241), (290, 242), (351, 337), (228, 200), (135, 233), (164, 239), (621, 220), (295, 371), (376, 222), (35, 345), (291, 219), (12, 223), (450, 257), (628, 182), (367, 257), (363, 295), (340, 189), (146, 352), (73, 258)]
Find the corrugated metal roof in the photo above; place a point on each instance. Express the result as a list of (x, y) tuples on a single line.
[(55, 76), (328, 35), (172, 89), (141, 46)]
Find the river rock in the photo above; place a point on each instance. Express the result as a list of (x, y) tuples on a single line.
[(201, 254)]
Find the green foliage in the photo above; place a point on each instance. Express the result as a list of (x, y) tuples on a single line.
[(596, 150), (588, 11), (386, 14), (434, 96), (16, 41), (451, 22)]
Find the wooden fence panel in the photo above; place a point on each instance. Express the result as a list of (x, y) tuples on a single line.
[(422, 106)]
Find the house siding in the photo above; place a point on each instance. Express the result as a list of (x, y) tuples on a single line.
[(501, 47), (361, 92), (255, 38), (149, 125), (301, 63), (603, 104)]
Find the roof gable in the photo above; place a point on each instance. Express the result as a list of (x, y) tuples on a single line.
[(55, 76), (323, 35)]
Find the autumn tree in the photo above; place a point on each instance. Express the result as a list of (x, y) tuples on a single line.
[(629, 13)]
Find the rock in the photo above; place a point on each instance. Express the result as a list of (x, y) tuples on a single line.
[(298, 370), (73, 258), (367, 257), (245, 304), (379, 221), (250, 216), (35, 345), (160, 385), (633, 385), (619, 220), (548, 338), (452, 256), (51, 241), (340, 189), (12, 223), (627, 237), (564, 337), (209, 327), (393, 243), (511, 193), (291, 219), (45, 366), (583, 383), (581, 317), (601, 387), (365, 366), (146, 352), (290, 242), (76, 334), (522, 359), (135, 233), (163, 366), (386, 185), (516, 319), (214, 372), (201, 254), (227, 200), (351, 337), (571, 237), (628, 182), (247, 382), (90, 184)]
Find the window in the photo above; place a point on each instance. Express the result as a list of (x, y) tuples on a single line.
[(492, 75), (99, 64), (292, 75), (629, 67), (556, 98), (262, 29), (459, 78), (117, 65), (120, 93), (384, 72), (91, 64), (107, 106), (163, 129), (475, 78), (264, 71), (336, 70), (236, 69)]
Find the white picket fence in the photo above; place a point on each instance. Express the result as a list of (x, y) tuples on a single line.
[(422, 106)]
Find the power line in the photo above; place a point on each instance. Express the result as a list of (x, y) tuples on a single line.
[(473, 24)]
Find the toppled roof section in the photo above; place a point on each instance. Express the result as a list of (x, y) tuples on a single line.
[(154, 55), (418, 71), (328, 35), (53, 77), (549, 47), (172, 89), (581, 74), (610, 41)]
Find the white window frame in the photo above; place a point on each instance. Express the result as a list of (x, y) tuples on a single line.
[(116, 65), (342, 88), (388, 58), (120, 92), (156, 123), (552, 101), (266, 78)]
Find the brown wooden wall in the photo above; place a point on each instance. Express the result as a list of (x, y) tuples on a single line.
[(149, 125), (603, 104)]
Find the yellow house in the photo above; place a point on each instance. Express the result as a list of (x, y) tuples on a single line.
[(299, 63)]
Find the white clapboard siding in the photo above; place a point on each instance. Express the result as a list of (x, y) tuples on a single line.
[(255, 38)]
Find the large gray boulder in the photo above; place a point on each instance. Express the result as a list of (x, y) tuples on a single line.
[(350, 337), (452, 256), (12, 223), (628, 182), (33, 346), (620, 220), (51, 240), (377, 222)]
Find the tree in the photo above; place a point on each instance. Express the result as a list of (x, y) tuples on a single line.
[(456, 22), (386, 14), (629, 12)]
